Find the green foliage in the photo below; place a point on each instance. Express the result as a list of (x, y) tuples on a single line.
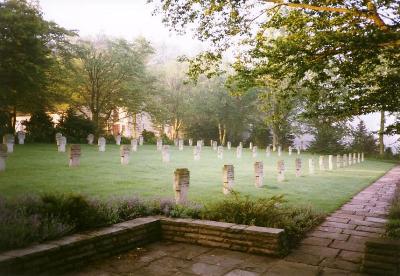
[(363, 140), (77, 210), (31, 53), (328, 138), (75, 127), (266, 212), (261, 135), (40, 127), (149, 137)]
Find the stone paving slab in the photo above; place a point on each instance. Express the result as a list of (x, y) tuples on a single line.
[(334, 248)]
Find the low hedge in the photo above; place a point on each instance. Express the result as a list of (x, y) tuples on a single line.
[(28, 220)]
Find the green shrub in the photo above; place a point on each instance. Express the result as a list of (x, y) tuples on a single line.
[(40, 128), (77, 210), (266, 212), (75, 127), (149, 137)]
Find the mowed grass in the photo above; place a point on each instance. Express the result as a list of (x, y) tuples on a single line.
[(39, 168)]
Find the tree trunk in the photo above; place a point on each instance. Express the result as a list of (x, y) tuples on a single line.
[(275, 138), (224, 136), (381, 131)]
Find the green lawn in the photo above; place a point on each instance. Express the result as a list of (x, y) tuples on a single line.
[(39, 168)]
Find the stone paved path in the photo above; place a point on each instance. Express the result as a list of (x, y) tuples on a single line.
[(333, 248)]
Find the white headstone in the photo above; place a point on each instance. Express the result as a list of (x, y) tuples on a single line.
[(298, 150), (279, 150), (220, 152), (165, 154), (311, 166), (259, 174), (241, 144), (229, 145), (101, 142), (358, 157), (362, 157), (199, 143), (3, 157), (159, 144), (58, 136), (90, 139), (124, 153), (298, 167), (251, 145), (181, 185), (254, 152), (339, 161), (21, 137), (345, 161), (290, 150), (141, 140), (228, 179), (74, 155), (215, 145), (321, 163), (196, 152), (330, 162), (354, 158), (9, 140), (281, 170), (62, 143), (180, 144), (134, 145), (350, 159), (239, 152), (268, 151), (118, 139), (190, 142)]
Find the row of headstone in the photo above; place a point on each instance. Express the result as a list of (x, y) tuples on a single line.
[(341, 161)]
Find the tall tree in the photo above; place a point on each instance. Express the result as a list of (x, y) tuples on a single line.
[(363, 140), (347, 52), (31, 50), (110, 74)]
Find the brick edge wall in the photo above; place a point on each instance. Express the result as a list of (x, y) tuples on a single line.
[(381, 257), (76, 250)]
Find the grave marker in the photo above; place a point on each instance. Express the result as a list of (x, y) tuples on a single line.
[(181, 185), (90, 139), (350, 159), (58, 136), (311, 166), (190, 142), (228, 179), (298, 150), (290, 150), (339, 161), (279, 150), (134, 145), (196, 152), (321, 163), (62, 143), (101, 142), (362, 157), (281, 170), (118, 139), (124, 153), (254, 152), (180, 144), (251, 146), (298, 167), (259, 174), (165, 154), (220, 152), (358, 157), (215, 145), (3, 157), (239, 152), (345, 161), (21, 137), (159, 144), (268, 151), (330, 162), (229, 145), (354, 158), (9, 140), (141, 140), (74, 155)]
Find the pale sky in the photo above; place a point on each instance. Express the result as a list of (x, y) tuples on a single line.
[(133, 18)]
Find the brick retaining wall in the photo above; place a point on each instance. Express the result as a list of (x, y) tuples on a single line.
[(76, 250), (245, 238), (382, 257)]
